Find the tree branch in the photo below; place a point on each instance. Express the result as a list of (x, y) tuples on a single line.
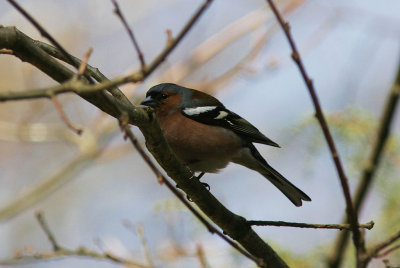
[(62, 252), (128, 134), (368, 225), (118, 12), (37, 25), (375, 251), (351, 212), (371, 165), (233, 225)]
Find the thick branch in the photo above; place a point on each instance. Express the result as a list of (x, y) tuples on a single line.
[(128, 134), (25, 48), (233, 225)]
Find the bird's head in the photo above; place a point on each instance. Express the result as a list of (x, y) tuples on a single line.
[(168, 97)]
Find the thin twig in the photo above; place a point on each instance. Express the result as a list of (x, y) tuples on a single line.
[(77, 87), (387, 252), (46, 230), (160, 177), (82, 88), (42, 31), (202, 257), (90, 70), (173, 42), (351, 212), (373, 252), (83, 66), (61, 252), (368, 225), (81, 72), (121, 16), (140, 232), (64, 116)]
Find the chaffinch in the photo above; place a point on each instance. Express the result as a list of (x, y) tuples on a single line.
[(206, 136)]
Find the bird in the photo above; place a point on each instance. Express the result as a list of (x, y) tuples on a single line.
[(206, 136)]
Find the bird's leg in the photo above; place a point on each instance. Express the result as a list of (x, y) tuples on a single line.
[(198, 177)]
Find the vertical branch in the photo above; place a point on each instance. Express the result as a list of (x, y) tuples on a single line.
[(140, 232), (371, 166), (121, 16), (351, 212)]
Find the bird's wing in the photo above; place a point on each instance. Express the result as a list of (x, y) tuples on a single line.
[(220, 116)]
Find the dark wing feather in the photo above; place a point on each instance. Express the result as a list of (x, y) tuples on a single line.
[(220, 116)]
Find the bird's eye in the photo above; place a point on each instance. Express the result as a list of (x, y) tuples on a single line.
[(164, 96)]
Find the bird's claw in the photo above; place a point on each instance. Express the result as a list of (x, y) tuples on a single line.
[(206, 185), (198, 177)]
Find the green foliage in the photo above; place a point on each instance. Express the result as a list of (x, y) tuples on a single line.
[(311, 259), (352, 129)]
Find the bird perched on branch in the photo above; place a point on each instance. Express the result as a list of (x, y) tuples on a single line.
[(206, 136)]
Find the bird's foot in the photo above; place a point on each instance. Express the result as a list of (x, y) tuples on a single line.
[(198, 177), (206, 185)]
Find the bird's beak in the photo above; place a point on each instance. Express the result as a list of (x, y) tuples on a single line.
[(149, 101)]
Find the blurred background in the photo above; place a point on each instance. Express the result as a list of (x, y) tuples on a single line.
[(96, 191)]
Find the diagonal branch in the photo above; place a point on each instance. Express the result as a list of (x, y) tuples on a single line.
[(64, 116), (162, 179), (37, 25), (381, 246), (173, 42), (90, 71), (351, 212), (57, 104), (233, 225), (388, 251), (121, 16), (375, 252), (368, 174), (46, 229)]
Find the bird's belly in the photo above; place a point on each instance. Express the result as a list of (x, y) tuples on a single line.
[(209, 166), (202, 147)]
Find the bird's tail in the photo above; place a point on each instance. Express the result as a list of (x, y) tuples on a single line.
[(286, 187), (258, 163)]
